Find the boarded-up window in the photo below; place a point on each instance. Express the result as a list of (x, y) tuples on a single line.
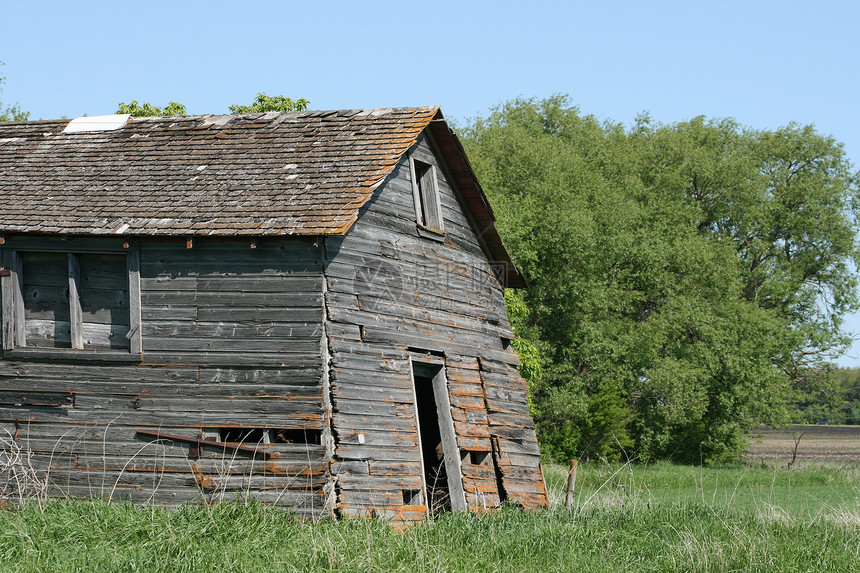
[(45, 282), (71, 300), (103, 291)]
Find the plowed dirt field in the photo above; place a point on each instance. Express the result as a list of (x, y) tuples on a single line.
[(817, 443)]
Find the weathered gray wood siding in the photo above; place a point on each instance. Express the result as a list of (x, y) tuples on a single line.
[(231, 338), (397, 292)]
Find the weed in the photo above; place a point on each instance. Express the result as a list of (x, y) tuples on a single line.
[(19, 481)]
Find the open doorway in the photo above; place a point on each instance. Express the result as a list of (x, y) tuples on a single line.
[(443, 486)]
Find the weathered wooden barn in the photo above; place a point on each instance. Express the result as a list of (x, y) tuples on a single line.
[(301, 308)]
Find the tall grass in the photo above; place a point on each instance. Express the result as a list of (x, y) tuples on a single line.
[(641, 518), (809, 490)]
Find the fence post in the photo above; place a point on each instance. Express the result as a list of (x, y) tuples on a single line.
[(571, 484)]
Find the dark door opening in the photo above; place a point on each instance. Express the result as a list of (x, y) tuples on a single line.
[(432, 452)]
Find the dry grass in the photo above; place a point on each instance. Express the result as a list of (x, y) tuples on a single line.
[(19, 481)]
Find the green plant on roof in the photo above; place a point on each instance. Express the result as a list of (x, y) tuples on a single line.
[(263, 103), (149, 110)]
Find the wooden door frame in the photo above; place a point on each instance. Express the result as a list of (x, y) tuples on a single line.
[(450, 451)]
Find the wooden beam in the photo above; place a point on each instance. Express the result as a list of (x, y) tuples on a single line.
[(449, 442), (76, 315), (7, 305), (134, 335), (571, 484), (416, 193), (17, 284), (209, 443)]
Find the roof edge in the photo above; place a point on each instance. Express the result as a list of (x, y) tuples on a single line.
[(476, 203)]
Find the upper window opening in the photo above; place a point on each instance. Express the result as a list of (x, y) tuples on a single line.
[(425, 189)]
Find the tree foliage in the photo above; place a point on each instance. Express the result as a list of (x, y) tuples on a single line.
[(687, 280), (11, 112), (837, 402), (263, 103), (149, 110)]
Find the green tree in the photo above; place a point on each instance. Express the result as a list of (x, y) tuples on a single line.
[(263, 103), (687, 280), (149, 110), (838, 401), (11, 112), (849, 379)]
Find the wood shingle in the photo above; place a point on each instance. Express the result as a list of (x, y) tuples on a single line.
[(302, 173)]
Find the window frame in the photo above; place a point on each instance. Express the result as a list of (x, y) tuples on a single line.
[(14, 338), (425, 193)]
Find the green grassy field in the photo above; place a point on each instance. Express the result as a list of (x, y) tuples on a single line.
[(659, 517)]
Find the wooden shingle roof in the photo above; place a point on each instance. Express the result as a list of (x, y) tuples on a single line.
[(263, 174), (303, 173)]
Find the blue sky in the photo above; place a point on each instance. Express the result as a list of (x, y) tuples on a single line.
[(765, 63)]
